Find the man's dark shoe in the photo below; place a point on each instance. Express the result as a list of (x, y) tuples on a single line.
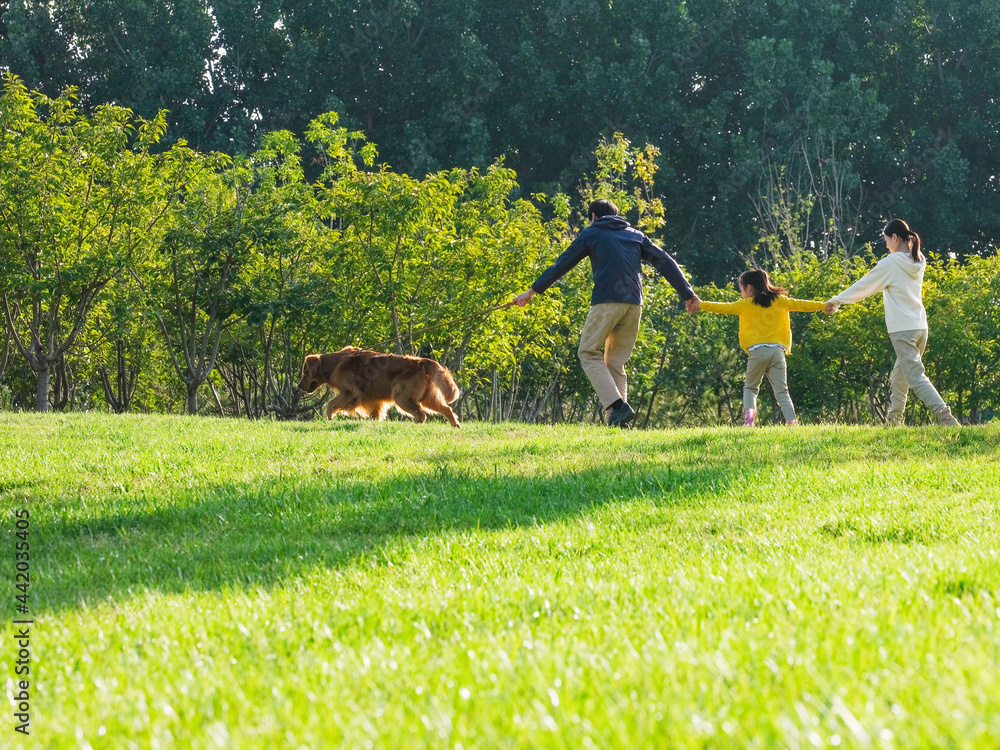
[(621, 417)]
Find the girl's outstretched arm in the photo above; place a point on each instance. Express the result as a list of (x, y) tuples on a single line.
[(726, 308)]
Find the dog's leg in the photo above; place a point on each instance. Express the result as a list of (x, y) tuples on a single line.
[(345, 401), (434, 402), (449, 415), (407, 405), (374, 410)]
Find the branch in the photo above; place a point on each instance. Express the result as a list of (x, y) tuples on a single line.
[(12, 330)]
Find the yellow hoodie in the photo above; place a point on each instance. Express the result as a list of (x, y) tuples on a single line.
[(764, 325)]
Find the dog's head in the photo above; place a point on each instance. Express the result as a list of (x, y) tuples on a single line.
[(310, 380), (317, 368)]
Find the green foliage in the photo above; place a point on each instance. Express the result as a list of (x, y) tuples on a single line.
[(239, 225), (129, 265), (963, 301), (838, 114)]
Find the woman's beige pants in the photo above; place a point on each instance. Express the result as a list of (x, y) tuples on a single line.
[(908, 373)]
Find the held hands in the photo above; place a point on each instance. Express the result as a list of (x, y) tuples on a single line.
[(693, 305), (522, 299), (831, 307)]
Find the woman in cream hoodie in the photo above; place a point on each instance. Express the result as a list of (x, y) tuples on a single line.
[(899, 276)]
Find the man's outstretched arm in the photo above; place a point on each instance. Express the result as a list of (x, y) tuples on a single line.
[(576, 252), (668, 269)]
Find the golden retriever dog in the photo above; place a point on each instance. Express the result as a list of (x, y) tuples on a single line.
[(368, 383)]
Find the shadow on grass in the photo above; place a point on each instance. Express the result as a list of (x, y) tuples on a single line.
[(232, 535)]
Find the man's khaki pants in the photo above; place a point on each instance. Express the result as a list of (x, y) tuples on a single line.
[(615, 327), (907, 373)]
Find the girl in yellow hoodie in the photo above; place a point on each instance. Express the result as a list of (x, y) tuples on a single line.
[(765, 335)]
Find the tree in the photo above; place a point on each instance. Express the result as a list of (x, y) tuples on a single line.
[(279, 298), (81, 197), (233, 215), (124, 338)]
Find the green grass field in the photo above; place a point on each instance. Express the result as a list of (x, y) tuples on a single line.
[(203, 583)]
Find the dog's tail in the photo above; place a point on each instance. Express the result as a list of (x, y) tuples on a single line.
[(442, 378)]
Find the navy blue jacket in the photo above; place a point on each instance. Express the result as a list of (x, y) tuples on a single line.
[(616, 251)]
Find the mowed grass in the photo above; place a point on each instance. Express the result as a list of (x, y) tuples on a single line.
[(202, 583)]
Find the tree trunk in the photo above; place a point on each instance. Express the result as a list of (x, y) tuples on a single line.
[(192, 398), (6, 353), (62, 391), (657, 380), (42, 390), (118, 395), (218, 399)]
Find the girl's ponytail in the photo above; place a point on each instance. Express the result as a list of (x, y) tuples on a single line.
[(764, 292)]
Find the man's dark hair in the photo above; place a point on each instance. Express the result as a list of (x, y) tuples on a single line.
[(602, 207)]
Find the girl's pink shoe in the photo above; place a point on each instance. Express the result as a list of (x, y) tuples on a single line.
[(749, 416), (793, 423)]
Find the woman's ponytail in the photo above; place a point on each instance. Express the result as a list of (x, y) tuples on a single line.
[(914, 240), (901, 229)]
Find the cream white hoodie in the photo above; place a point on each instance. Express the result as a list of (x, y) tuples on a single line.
[(899, 279)]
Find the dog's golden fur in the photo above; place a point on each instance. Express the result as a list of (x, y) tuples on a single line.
[(368, 383)]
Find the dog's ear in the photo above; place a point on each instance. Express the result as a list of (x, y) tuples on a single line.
[(311, 365)]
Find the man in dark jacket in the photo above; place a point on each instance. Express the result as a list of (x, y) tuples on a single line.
[(616, 251)]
